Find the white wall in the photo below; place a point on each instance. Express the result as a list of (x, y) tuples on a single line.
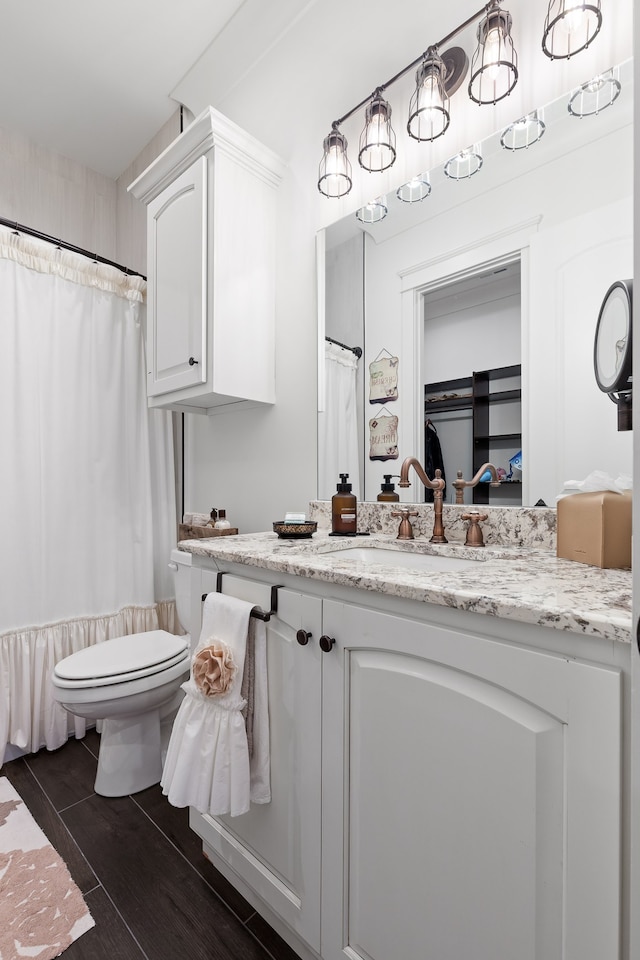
[(64, 199), (56, 196), (131, 215)]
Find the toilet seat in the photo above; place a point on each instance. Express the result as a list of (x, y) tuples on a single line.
[(122, 659)]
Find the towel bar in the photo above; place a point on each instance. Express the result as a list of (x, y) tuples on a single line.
[(256, 612)]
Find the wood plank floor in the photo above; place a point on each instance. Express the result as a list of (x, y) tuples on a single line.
[(150, 890)]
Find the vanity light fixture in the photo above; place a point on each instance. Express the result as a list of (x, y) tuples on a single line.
[(523, 132), (494, 67), (334, 175), (418, 188), (464, 164), (374, 211), (570, 26), (494, 74), (595, 95), (429, 114), (377, 141)]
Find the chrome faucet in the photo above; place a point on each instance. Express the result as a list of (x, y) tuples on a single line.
[(460, 484), (437, 485)]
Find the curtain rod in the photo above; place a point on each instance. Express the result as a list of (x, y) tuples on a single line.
[(20, 228), (356, 350)]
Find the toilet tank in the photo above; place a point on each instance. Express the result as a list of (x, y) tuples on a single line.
[(181, 566)]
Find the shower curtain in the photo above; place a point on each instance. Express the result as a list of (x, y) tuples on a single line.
[(338, 423), (87, 506)]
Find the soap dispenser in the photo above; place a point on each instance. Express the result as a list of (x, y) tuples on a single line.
[(388, 490), (344, 508), (222, 523)]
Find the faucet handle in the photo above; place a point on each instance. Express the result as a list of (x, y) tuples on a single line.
[(405, 530), (474, 530)]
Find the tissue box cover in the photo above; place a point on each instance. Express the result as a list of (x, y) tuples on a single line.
[(595, 528)]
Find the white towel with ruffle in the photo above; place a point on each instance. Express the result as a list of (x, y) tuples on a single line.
[(207, 764)]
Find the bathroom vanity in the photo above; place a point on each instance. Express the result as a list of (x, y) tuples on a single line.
[(447, 746)]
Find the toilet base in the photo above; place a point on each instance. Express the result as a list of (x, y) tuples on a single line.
[(130, 756)]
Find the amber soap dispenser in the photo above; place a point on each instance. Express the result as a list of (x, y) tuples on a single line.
[(388, 490), (344, 508)]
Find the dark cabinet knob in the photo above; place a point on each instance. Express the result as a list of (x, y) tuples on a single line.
[(326, 643), (303, 637), (192, 361)]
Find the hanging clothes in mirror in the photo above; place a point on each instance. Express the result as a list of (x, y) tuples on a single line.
[(433, 459)]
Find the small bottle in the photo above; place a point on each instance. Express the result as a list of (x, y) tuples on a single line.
[(221, 523), (388, 490), (344, 508)]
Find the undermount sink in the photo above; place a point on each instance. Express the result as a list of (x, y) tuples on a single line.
[(406, 560)]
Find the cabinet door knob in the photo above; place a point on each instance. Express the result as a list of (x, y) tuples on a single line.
[(192, 361), (326, 643), (303, 637)]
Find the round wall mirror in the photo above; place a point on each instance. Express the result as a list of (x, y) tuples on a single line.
[(612, 347)]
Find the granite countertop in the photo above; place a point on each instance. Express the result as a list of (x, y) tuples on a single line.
[(527, 584)]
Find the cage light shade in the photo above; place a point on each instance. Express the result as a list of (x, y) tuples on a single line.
[(334, 174), (374, 211), (418, 188), (595, 95), (494, 67), (523, 132), (377, 141), (429, 107), (464, 164), (569, 27)]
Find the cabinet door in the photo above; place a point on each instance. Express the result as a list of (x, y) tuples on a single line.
[(275, 847), (471, 797), (177, 290)]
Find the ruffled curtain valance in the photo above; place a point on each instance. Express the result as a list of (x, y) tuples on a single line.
[(46, 258)]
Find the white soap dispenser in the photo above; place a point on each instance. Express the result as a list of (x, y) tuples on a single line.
[(222, 523)]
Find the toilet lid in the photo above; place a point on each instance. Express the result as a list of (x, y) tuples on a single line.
[(123, 658)]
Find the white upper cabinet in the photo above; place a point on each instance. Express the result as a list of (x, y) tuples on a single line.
[(211, 227)]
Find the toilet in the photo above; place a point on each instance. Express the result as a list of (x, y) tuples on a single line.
[(132, 684)]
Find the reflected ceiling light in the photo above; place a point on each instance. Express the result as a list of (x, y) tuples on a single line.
[(374, 211), (595, 95), (523, 132), (570, 27), (377, 141), (334, 174), (464, 164), (494, 67), (415, 189), (429, 107)]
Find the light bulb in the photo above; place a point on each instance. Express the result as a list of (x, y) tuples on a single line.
[(430, 94), (573, 20), (597, 83), (493, 53)]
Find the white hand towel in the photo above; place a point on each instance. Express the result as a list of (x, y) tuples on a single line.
[(207, 764)]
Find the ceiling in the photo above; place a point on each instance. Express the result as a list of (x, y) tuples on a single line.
[(93, 81)]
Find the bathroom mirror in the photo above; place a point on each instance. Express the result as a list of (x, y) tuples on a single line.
[(505, 269)]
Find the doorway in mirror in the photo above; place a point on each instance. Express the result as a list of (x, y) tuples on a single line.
[(472, 339)]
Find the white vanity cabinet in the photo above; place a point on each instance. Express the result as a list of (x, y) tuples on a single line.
[(471, 796), (211, 232), (470, 781)]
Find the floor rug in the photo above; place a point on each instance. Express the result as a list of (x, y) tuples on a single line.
[(41, 909)]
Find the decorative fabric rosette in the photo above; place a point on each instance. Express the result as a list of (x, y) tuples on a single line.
[(213, 668)]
